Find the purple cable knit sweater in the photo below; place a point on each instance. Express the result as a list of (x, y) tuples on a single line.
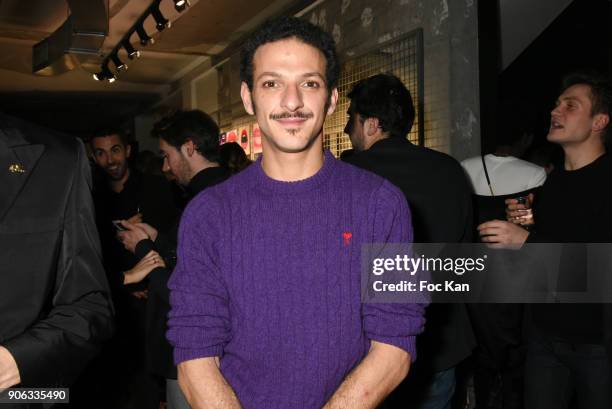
[(268, 279)]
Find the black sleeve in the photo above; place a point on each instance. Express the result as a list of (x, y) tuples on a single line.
[(468, 211), (158, 282), (57, 347), (143, 247), (165, 246)]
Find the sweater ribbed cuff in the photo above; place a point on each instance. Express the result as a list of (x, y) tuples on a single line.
[(408, 344), (188, 354)]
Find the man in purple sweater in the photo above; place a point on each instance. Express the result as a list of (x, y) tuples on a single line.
[(266, 296)]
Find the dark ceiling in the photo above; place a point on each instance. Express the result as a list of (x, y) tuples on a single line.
[(76, 112), (71, 101), (578, 40)]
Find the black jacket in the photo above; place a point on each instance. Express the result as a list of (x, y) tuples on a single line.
[(439, 196), (55, 308)]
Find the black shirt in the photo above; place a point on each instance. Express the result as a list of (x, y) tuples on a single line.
[(574, 207), (205, 178)]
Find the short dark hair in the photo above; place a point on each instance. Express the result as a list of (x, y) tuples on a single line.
[(601, 91), (386, 98), (195, 126), (101, 133), (290, 27)]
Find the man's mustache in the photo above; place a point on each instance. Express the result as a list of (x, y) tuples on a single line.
[(290, 115)]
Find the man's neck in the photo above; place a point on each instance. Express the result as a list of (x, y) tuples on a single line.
[(118, 185), (379, 136), (200, 166), (581, 155), (292, 167)]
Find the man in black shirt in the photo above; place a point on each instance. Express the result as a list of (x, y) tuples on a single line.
[(381, 114), (569, 350), (125, 193), (189, 144)]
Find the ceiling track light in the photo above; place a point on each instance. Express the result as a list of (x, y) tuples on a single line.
[(161, 22), (105, 74), (145, 39), (131, 51), (180, 5), (120, 65)]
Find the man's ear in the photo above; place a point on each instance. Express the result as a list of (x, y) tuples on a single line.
[(333, 100), (600, 122), (371, 126), (247, 100), (128, 150), (188, 148)]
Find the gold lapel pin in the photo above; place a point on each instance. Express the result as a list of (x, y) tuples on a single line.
[(16, 168)]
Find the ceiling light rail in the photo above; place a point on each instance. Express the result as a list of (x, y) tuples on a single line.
[(161, 23)]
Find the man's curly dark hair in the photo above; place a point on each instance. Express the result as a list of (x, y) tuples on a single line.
[(290, 27)]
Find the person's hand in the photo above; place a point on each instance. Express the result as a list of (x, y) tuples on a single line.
[(137, 218), (502, 234), (9, 372), (520, 213), (150, 230), (132, 236), (142, 269)]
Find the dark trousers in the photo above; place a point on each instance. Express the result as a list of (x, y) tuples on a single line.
[(499, 356), (557, 371)]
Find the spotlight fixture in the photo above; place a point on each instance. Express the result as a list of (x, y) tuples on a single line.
[(161, 22), (118, 63), (131, 51), (180, 5), (144, 37), (104, 74)]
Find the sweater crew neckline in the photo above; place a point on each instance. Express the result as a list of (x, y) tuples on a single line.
[(263, 181)]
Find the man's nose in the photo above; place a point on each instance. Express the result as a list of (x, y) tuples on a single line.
[(292, 98)]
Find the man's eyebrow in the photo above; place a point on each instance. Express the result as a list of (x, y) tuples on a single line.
[(570, 98), (277, 75), (116, 146), (313, 74), (268, 74)]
